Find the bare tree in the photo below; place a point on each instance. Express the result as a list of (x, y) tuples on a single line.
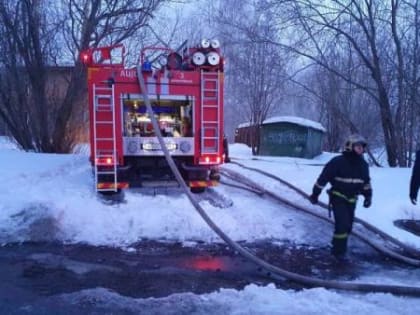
[(23, 74), (345, 109), (411, 53), (376, 32), (32, 28), (255, 71)]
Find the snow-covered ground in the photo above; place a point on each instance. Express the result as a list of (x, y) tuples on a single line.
[(50, 197)]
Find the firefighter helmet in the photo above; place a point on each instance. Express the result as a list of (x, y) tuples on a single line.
[(353, 140)]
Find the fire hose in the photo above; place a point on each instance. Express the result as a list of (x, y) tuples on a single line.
[(380, 248), (386, 236), (308, 281)]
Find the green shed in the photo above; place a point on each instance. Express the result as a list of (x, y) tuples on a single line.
[(291, 136)]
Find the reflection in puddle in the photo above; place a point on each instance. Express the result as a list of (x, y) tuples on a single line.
[(207, 263)]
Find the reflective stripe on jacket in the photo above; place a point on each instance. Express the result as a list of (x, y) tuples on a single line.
[(340, 195), (348, 175)]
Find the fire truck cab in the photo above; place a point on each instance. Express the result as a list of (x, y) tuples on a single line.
[(185, 90)]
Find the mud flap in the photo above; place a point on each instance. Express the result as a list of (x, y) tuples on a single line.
[(111, 197)]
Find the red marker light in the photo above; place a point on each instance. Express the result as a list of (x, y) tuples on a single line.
[(85, 57), (105, 161)]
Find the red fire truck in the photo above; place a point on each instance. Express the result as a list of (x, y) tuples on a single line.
[(185, 89)]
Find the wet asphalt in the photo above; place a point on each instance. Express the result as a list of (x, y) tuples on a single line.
[(32, 272)]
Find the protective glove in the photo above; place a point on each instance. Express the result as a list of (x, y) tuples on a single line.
[(313, 199), (413, 200), (367, 203)]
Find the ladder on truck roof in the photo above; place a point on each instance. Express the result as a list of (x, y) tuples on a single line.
[(104, 138), (210, 112)]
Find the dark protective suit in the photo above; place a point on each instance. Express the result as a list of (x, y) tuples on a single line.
[(415, 179), (348, 175)]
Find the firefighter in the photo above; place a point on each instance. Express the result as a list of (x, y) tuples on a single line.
[(348, 175), (415, 179)]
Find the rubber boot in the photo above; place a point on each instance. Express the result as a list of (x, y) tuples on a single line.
[(339, 248)]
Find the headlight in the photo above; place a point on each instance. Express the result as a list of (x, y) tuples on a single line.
[(132, 147), (205, 43), (149, 146), (171, 146), (214, 43), (213, 58), (198, 58), (185, 146)]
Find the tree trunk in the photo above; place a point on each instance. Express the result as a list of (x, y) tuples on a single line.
[(74, 92)]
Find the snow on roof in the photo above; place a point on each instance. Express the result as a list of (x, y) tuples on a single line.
[(243, 125), (295, 120)]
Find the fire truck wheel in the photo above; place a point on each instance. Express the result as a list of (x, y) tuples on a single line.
[(198, 190)]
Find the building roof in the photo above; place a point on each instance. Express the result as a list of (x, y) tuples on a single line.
[(243, 125), (295, 120), (289, 119)]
